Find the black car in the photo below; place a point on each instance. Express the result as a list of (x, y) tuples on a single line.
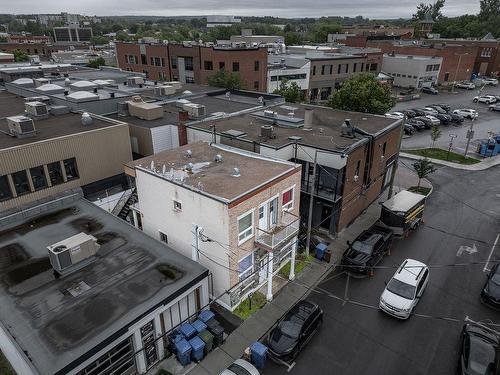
[(430, 90), (446, 107), (491, 290), (427, 121), (439, 110), (456, 118), (409, 113), (419, 111), (478, 351), (408, 129), (445, 119), (417, 124), (294, 330)]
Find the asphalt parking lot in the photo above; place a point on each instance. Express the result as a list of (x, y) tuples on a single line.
[(462, 220), (488, 121)]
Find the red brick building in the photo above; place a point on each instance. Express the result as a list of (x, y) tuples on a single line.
[(28, 39), (194, 63)]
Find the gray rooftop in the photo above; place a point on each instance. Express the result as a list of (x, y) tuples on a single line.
[(53, 327)]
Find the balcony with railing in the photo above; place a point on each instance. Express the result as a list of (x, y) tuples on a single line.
[(276, 237)]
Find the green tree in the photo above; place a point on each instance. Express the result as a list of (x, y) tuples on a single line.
[(290, 91), (320, 34), (423, 168), (20, 56), (489, 8), (293, 38), (362, 93), (96, 63), (99, 40), (435, 134), (230, 81), (434, 9)]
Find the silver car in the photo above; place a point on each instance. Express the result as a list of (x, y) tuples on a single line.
[(240, 367)]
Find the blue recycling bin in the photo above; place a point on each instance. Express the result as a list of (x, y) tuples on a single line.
[(199, 326), (258, 354), (206, 315), (173, 339), (320, 250), (197, 348), (188, 331), (183, 352)]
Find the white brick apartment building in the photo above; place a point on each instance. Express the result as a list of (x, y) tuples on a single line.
[(235, 212)]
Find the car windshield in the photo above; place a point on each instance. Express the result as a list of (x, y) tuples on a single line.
[(481, 355), (290, 328), (496, 277), (401, 289), (238, 370), (362, 247)]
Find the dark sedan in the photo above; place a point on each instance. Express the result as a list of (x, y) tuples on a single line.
[(419, 111), (445, 106), (430, 90), (457, 118), (445, 119), (438, 109), (418, 125), (479, 345), (491, 290), (294, 330), (409, 113), (408, 129), (427, 121)]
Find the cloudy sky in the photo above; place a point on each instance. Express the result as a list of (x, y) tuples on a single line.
[(284, 8)]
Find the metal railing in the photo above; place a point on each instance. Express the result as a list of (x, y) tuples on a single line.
[(274, 237)]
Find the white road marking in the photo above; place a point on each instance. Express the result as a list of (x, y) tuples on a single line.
[(491, 253), (467, 249)]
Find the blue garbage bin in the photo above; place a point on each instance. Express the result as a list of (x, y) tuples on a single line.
[(320, 250), (173, 339), (199, 326), (183, 352), (259, 354), (206, 315), (188, 331), (197, 348)]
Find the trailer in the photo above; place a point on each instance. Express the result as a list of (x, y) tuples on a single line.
[(403, 212)]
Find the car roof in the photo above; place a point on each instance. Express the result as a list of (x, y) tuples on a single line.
[(242, 363), (409, 271), (476, 330)]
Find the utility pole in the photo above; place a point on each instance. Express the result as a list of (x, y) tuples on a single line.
[(311, 203), (470, 135), (396, 162)]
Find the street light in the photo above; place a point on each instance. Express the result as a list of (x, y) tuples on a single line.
[(456, 71)]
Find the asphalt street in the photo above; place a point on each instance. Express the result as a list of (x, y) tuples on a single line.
[(462, 220), (488, 121)]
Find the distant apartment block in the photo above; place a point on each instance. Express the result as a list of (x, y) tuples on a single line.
[(412, 71), (72, 33), (215, 20)]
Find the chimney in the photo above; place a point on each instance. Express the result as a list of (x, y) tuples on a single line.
[(308, 118), (181, 127)]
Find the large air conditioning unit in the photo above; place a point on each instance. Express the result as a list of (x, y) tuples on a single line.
[(195, 110), (135, 81), (176, 84), (21, 126), (36, 109), (41, 81), (73, 253), (181, 103), (164, 90), (41, 98), (269, 113)]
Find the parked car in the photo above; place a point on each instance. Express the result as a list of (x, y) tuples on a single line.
[(408, 129), (494, 107), (405, 289), (240, 367), (367, 249), (491, 81), (488, 99), (467, 113), (478, 351), (445, 106), (430, 111), (491, 290), (466, 85), (444, 119), (398, 115), (294, 330), (438, 109), (425, 120), (434, 120), (430, 90), (416, 124), (409, 113), (456, 118), (419, 111)]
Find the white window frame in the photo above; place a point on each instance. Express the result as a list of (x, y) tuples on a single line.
[(161, 233), (175, 202), (249, 269), (250, 230), (288, 206)]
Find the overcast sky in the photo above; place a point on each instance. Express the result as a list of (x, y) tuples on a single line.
[(283, 8)]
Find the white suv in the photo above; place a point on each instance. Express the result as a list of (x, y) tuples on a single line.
[(402, 293), (467, 112), (489, 99)]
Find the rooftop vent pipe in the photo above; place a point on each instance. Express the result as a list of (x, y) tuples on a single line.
[(86, 119), (308, 118)]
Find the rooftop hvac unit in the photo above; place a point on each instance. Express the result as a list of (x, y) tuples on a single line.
[(267, 131), (195, 110), (164, 90), (145, 111), (41, 81), (269, 113), (135, 81), (73, 253), (176, 84), (36, 109), (41, 98), (122, 109), (181, 102), (21, 126)]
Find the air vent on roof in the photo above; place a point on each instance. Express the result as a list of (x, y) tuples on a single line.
[(189, 167), (181, 102), (188, 154), (267, 131), (218, 158), (135, 81), (86, 119), (270, 114), (24, 82), (21, 126), (308, 118), (164, 90), (195, 110), (235, 172), (347, 130), (36, 109)]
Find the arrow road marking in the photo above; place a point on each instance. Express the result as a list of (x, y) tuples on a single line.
[(467, 249), (491, 253)]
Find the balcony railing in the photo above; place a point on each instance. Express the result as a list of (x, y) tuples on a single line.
[(273, 238)]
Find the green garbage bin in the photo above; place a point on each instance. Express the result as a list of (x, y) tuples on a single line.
[(208, 339)]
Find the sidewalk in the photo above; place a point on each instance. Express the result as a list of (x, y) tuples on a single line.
[(481, 166)]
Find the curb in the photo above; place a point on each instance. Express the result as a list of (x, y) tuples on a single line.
[(481, 166)]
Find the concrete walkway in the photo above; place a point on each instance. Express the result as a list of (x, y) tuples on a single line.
[(481, 166)]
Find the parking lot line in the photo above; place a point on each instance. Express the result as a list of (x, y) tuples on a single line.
[(491, 253)]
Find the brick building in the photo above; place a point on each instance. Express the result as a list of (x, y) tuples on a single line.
[(194, 63)]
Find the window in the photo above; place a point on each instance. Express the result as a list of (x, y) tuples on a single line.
[(236, 67), (314, 70), (70, 169), (384, 148), (144, 60), (287, 199), (256, 85), (222, 65), (173, 61), (347, 68), (161, 76), (21, 183), (446, 76), (362, 66), (177, 206), (428, 68), (358, 166), (5, 192), (486, 52), (331, 69), (435, 67), (256, 65), (131, 59), (208, 65), (188, 63), (354, 68), (38, 177), (163, 237), (245, 266), (245, 227), (339, 68), (55, 173), (373, 67), (323, 67), (146, 73), (189, 79), (157, 61), (403, 75)]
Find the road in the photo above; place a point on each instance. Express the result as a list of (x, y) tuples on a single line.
[(464, 210), (487, 121)]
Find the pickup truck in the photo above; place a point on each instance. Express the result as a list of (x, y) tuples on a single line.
[(367, 249)]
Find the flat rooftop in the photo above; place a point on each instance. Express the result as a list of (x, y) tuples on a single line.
[(51, 127), (325, 133), (412, 57), (211, 177), (51, 322)]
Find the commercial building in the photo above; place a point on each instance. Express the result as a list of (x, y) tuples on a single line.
[(243, 234), (42, 49), (289, 68), (72, 33), (412, 71), (194, 63), (28, 39), (355, 153), (44, 154), (83, 57), (6, 58), (219, 20), (83, 292)]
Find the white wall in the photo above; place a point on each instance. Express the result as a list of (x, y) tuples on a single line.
[(414, 70), (164, 138), (303, 83)]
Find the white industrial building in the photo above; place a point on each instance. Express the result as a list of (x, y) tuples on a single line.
[(290, 68), (412, 71)]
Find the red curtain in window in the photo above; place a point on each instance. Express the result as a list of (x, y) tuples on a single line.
[(287, 196)]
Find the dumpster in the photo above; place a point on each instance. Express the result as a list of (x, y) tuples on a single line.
[(320, 250), (199, 326), (258, 354), (197, 348), (216, 329), (208, 339), (188, 331), (173, 339), (206, 315), (183, 352)]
